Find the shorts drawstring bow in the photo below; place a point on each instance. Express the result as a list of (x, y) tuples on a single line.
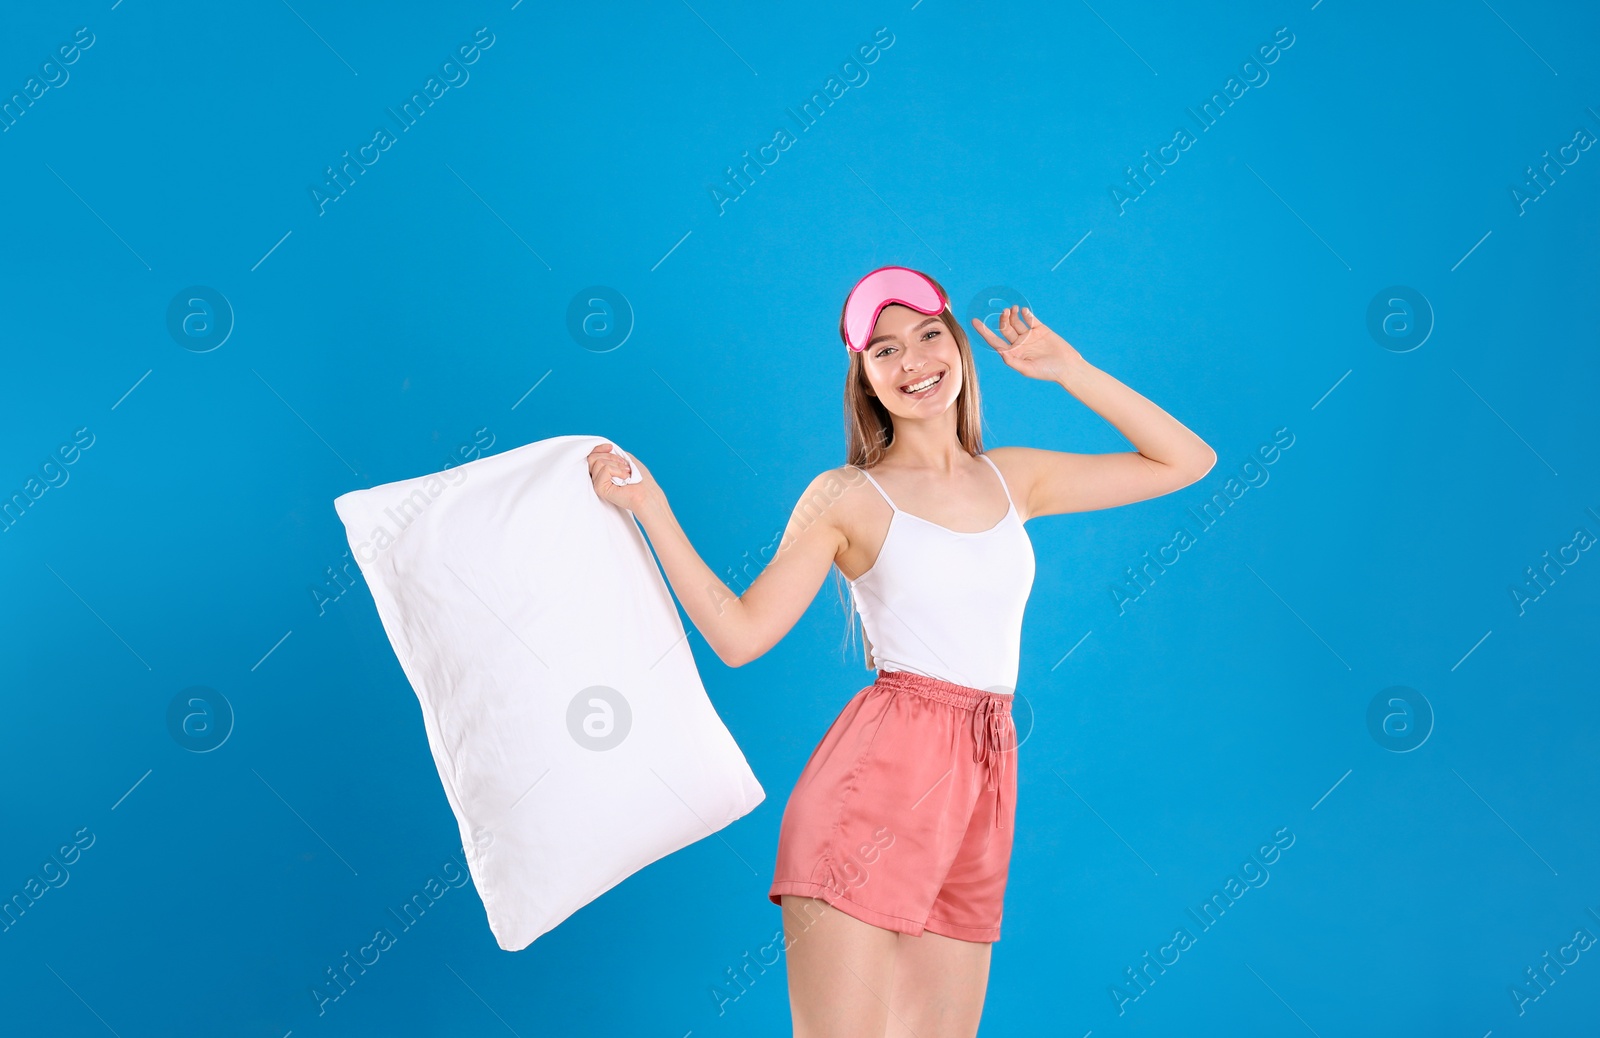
[(991, 731)]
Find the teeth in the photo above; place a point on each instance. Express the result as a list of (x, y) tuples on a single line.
[(924, 384)]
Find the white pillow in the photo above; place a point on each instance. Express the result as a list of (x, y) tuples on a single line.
[(560, 696)]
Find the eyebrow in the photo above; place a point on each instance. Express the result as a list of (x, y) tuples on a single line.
[(920, 326)]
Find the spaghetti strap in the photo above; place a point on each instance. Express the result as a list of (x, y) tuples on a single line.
[(985, 457), (874, 482)]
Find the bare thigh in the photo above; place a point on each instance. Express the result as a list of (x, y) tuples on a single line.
[(939, 983), (841, 971)]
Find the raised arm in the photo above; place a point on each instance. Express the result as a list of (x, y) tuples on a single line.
[(738, 629), (1169, 456)]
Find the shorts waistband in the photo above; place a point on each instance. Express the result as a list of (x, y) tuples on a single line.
[(943, 691)]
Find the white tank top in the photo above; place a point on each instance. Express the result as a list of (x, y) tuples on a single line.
[(948, 604)]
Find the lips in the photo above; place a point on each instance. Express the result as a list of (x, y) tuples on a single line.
[(924, 392)]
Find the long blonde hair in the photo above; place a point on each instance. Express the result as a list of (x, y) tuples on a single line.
[(869, 428)]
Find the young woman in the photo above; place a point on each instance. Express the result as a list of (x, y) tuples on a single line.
[(894, 847)]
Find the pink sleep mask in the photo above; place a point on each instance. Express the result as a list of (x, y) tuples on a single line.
[(880, 288)]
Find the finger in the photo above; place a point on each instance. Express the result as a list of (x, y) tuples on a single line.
[(1010, 325), (988, 335), (1030, 331)]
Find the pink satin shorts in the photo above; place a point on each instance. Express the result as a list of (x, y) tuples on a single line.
[(902, 817)]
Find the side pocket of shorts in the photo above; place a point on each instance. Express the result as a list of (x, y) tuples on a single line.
[(826, 871), (853, 782)]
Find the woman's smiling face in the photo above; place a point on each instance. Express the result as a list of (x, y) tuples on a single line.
[(907, 349)]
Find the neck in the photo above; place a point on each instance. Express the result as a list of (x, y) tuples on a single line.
[(927, 445)]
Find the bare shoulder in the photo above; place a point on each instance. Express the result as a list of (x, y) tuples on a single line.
[(1019, 467), (1022, 460), (1042, 481), (826, 501), (1009, 457)]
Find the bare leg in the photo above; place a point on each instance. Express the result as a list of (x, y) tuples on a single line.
[(840, 971), (939, 984)]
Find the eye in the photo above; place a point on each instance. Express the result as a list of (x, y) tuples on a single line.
[(931, 332), (883, 351)]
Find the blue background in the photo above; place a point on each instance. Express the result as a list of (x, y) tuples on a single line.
[(370, 336)]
